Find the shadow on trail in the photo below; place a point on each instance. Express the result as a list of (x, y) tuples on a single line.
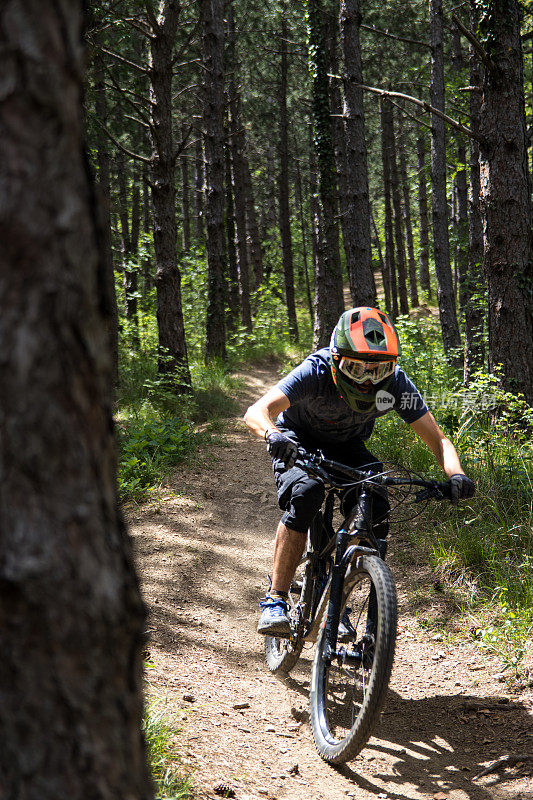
[(440, 743)]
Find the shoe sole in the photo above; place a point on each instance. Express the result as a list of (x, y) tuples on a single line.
[(281, 630)]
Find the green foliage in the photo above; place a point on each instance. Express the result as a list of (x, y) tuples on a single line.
[(508, 635), (482, 548), (171, 783)]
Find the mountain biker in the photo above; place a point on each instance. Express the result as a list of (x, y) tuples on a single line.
[(330, 403)]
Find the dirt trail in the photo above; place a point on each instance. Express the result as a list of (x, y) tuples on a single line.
[(203, 557)]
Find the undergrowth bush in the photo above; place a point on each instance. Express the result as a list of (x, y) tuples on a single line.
[(482, 548)]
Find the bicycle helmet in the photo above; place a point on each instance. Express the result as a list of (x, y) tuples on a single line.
[(364, 348)]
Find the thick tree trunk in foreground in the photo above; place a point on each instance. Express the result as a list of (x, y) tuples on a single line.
[(283, 185), (356, 227), (441, 244), (423, 221), (72, 618), (212, 21), (173, 349), (329, 302), (505, 202), (474, 294)]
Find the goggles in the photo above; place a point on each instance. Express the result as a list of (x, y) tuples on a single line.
[(361, 371)]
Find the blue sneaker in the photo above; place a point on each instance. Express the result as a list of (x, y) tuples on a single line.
[(274, 619)]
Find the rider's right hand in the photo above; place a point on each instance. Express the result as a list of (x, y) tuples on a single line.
[(280, 446)]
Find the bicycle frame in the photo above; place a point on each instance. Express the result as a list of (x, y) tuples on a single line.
[(356, 525)]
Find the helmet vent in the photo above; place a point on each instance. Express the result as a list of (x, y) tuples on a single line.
[(356, 316), (383, 318)]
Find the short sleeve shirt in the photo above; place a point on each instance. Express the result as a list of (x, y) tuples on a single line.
[(318, 413)]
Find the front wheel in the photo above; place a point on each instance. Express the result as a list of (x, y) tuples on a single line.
[(347, 695)]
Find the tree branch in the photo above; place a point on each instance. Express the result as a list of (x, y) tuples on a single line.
[(152, 19), (135, 106), (186, 43), (183, 142), (124, 60), (426, 106), (476, 44), (411, 116), (135, 156), (416, 42)]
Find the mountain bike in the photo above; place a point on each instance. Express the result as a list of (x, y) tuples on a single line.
[(344, 598)]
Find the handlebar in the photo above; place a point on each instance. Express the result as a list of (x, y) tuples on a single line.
[(322, 467)]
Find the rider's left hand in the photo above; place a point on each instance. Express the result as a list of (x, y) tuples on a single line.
[(461, 487)]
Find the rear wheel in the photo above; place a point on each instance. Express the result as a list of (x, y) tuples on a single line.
[(347, 695)]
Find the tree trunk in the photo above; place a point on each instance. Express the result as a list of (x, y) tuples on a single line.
[(198, 219), (505, 201), (283, 185), (423, 220), (233, 275), (303, 228), (172, 346), (413, 290), (104, 206), (441, 244), (72, 615), (356, 225), (380, 254), (329, 301), (397, 213), (460, 185), (252, 227), (128, 248), (391, 296), (236, 140), (212, 22), (473, 288), (185, 208)]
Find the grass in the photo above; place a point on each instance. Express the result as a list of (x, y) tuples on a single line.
[(171, 782)]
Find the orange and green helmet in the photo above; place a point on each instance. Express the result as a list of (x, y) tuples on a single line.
[(364, 348)]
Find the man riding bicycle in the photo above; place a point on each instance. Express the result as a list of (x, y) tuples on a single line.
[(330, 403)]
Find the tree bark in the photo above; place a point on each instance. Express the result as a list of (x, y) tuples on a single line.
[(397, 213), (423, 220), (329, 301), (441, 245), (252, 227), (505, 201), (236, 139), (402, 145), (303, 228), (172, 345), (356, 225), (474, 284), (212, 22), (460, 185), (104, 206), (198, 219), (233, 275), (391, 296), (283, 186), (72, 616), (185, 208)]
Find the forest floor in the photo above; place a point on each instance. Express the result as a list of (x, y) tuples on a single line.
[(203, 553)]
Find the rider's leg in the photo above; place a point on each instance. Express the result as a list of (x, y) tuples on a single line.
[(288, 550), (302, 497)]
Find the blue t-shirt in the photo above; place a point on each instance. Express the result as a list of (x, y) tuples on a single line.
[(317, 410)]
